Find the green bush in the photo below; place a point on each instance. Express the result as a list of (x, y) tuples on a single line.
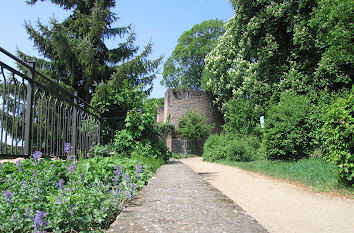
[(241, 149), (114, 99), (241, 117), (232, 148), (288, 129), (100, 150), (140, 134), (320, 100), (338, 136), (193, 125), (214, 148)]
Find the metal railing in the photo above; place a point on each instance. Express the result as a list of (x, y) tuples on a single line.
[(38, 114), (187, 146)]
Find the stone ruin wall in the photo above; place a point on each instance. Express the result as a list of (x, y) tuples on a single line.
[(178, 101)]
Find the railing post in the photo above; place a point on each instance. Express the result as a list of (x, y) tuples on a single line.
[(28, 113), (74, 126), (98, 135)]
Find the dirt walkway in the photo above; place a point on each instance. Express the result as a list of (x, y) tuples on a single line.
[(277, 205)]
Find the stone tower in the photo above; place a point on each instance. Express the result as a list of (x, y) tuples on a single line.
[(178, 101)]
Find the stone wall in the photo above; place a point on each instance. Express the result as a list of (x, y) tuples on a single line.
[(178, 101)]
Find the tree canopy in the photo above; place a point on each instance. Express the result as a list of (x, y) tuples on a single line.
[(272, 46), (184, 68), (76, 54)]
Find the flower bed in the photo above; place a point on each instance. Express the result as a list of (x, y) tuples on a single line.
[(43, 195)]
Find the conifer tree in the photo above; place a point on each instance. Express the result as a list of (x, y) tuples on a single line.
[(76, 54)]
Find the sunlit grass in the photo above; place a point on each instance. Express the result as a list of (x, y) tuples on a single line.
[(313, 172)]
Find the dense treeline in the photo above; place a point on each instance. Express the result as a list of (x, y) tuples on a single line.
[(290, 61)]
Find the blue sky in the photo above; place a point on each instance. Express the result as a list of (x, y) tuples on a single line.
[(160, 21)]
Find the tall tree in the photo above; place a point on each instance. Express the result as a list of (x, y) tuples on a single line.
[(333, 20), (184, 68), (270, 47), (76, 53), (267, 44)]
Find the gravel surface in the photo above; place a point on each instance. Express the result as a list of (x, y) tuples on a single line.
[(179, 200), (280, 206)]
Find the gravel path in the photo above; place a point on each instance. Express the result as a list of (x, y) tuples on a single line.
[(179, 200), (279, 205)]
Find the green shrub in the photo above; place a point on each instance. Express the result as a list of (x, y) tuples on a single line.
[(241, 117), (338, 136), (241, 149), (288, 129), (232, 148), (114, 99), (100, 150), (193, 125), (320, 100), (140, 134), (214, 148)]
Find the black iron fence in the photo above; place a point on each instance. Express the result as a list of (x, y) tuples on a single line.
[(36, 113)]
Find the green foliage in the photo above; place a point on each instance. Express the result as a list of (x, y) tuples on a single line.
[(214, 148), (114, 99), (333, 21), (100, 150), (140, 133), (193, 125), (320, 100), (184, 68), (76, 50), (241, 117), (287, 128), (159, 102), (338, 135), (231, 148), (270, 47), (78, 196)]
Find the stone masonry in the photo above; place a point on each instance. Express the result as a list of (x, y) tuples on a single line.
[(178, 101)]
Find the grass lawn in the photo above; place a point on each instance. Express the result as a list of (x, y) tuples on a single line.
[(312, 172)]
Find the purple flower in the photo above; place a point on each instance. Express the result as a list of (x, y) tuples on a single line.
[(72, 210), (37, 190), (18, 164), (59, 200), (138, 170), (127, 178), (67, 148), (51, 166), (27, 212), (23, 184), (8, 195), (117, 190), (39, 220), (34, 174), (134, 187), (13, 217), (127, 194), (71, 168), (60, 183), (37, 155), (118, 171)]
